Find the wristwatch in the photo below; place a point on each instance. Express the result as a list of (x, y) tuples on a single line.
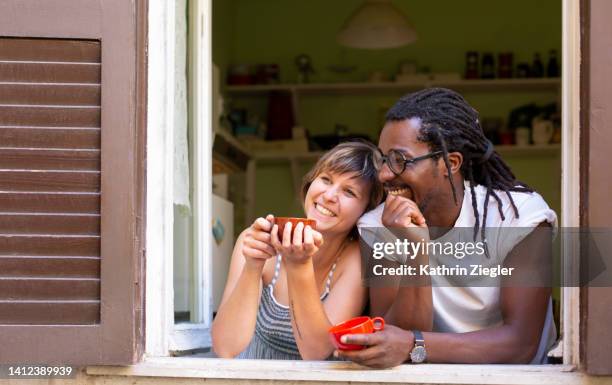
[(418, 353)]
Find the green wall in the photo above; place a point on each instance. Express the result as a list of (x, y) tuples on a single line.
[(223, 34), (275, 31)]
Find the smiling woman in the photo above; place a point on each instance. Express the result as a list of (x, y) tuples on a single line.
[(282, 297)]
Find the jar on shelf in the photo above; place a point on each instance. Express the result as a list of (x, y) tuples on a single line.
[(504, 65), (471, 65), (488, 66)]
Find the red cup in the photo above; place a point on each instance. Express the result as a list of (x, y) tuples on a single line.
[(282, 221), (357, 325)]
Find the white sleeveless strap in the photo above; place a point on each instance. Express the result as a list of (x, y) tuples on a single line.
[(276, 270), (329, 278)]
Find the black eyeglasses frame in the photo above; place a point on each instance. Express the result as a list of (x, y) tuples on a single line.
[(385, 159)]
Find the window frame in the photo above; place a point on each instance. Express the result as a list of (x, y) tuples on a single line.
[(159, 311), (570, 175), (325, 372), (201, 128), (163, 336)]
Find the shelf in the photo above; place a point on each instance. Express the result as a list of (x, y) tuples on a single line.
[(476, 85), (294, 159), (231, 139), (507, 150), (531, 150), (229, 155), (492, 86), (272, 157)]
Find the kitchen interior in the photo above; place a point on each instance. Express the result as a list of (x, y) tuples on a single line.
[(292, 78)]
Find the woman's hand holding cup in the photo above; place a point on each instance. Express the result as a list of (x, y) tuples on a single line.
[(299, 245), (257, 246)]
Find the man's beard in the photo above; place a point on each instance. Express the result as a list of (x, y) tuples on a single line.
[(423, 204)]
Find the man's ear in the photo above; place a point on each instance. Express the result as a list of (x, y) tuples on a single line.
[(456, 160)]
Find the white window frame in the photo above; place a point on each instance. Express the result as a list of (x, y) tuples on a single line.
[(570, 175), (162, 335), (160, 326), (196, 335), (160, 216)]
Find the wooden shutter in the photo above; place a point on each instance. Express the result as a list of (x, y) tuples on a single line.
[(596, 142), (71, 171), (49, 170)]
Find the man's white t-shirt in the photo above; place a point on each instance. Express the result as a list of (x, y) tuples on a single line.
[(465, 309)]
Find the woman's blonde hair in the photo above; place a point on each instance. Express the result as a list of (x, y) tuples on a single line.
[(349, 157)]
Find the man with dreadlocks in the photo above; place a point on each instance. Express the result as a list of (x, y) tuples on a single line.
[(440, 171)]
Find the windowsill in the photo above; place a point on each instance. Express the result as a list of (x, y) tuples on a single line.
[(343, 372)]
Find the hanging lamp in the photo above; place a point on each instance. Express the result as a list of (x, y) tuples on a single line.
[(376, 24)]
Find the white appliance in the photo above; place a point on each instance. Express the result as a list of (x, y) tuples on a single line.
[(223, 245)]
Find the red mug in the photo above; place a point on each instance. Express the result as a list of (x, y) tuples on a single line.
[(282, 221), (357, 325)]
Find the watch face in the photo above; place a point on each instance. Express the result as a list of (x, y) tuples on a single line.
[(418, 354)]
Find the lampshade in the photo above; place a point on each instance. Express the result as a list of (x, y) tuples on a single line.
[(376, 24)]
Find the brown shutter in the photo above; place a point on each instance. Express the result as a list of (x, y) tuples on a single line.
[(71, 171), (50, 150), (596, 142)]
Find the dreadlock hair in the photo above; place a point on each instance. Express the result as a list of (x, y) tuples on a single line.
[(450, 124)]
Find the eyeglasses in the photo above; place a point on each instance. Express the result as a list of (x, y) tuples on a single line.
[(396, 160)]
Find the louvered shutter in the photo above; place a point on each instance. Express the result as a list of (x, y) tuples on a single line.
[(70, 183)]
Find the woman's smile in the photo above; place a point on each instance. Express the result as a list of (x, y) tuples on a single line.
[(324, 210), (321, 213)]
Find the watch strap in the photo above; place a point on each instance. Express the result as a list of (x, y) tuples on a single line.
[(418, 338), (419, 353)]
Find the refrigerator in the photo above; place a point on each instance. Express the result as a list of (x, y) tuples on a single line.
[(223, 245)]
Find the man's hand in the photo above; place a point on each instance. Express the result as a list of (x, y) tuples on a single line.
[(403, 217), (384, 349)]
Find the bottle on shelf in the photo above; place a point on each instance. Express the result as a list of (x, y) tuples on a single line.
[(488, 66), (504, 65), (537, 68), (471, 65), (552, 69)]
